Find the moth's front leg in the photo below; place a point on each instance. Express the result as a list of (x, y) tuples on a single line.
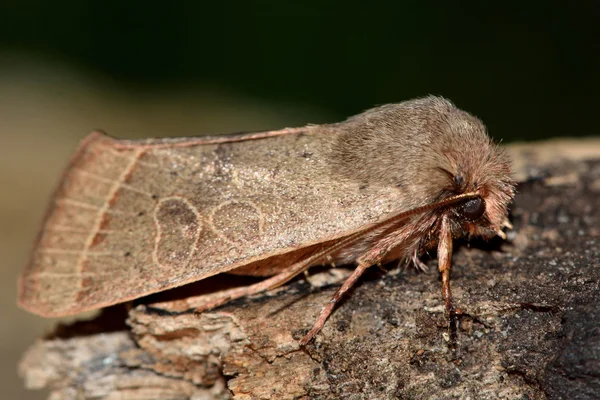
[(209, 301), (445, 264)]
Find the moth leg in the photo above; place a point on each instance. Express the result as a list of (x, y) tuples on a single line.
[(232, 294), (328, 309), (418, 263), (206, 302), (445, 264)]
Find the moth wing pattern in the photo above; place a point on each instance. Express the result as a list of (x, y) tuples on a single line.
[(132, 218)]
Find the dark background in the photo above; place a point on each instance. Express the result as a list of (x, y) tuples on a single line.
[(529, 70)]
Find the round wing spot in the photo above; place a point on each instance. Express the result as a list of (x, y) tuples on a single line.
[(238, 221), (178, 227)]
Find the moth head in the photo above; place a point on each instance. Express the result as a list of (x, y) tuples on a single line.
[(487, 181), (429, 150)]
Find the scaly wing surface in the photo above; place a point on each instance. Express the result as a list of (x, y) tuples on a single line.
[(131, 218)]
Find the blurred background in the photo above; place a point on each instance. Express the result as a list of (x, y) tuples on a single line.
[(184, 68)]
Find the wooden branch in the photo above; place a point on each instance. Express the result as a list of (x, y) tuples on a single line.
[(529, 328)]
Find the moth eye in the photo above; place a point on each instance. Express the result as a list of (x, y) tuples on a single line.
[(472, 209)]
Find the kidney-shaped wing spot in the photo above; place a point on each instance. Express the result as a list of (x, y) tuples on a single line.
[(237, 222)]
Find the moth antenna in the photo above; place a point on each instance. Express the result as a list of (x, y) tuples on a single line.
[(435, 205), (349, 240), (301, 266), (501, 233), (366, 263), (310, 261), (507, 224), (267, 284)]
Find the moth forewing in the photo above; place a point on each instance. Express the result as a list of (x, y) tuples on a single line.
[(131, 218)]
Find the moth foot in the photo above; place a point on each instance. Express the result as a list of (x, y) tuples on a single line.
[(419, 264)]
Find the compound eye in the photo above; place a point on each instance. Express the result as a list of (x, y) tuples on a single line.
[(472, 209)]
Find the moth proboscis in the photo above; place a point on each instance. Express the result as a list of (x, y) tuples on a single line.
[(135, 217)]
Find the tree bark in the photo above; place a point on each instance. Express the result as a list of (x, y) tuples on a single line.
[(530, 327)]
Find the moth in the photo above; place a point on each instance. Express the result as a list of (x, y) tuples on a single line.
[(134, 217)]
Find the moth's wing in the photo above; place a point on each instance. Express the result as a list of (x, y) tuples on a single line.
[(131, 218)]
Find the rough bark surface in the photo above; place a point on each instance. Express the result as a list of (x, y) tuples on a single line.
[(531, 327)]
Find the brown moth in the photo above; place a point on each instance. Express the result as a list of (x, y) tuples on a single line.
[(131, 218)]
